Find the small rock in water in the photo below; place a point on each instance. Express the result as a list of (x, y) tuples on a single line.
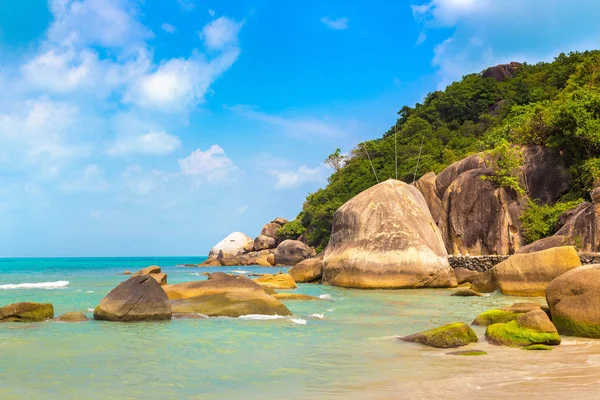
[(538, 347), (468, 353), (466, 293), (125, 273), (72, 317), (452, 335)]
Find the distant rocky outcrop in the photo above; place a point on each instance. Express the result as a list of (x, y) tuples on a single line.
[(155, 272), (291, 252), (502, 72), (232, 245), (385, 237)]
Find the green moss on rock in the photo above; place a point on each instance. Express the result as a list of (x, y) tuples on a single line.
[(468, 353), (538, 347), (26, 312), (514, 335), (447, 336), (495, 317)]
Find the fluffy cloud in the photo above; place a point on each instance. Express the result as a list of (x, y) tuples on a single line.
[(295, 178), (168, 28), (480, 37), (153, 143), (90, 180), (220, 33), (210, 165), (336, 23)]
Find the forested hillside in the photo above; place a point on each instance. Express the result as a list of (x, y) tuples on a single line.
[(553, 104)]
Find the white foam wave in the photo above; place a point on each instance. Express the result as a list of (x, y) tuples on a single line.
[(298, 321), (331, 310), (90, 291), (317, 316), (240, 271), (40, 285), (326, 297), (260, 316), (90, 309)]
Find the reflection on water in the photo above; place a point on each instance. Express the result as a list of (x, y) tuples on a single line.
[(344, 348)]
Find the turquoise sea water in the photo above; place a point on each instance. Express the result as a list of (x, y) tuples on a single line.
[(342, 347)]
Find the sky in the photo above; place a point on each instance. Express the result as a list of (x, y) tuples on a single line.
[(158, 127)]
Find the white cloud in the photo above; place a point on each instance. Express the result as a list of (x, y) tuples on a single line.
[(448, 12), (303, 128), (153, 143), (211, 12), (168, 28), (109, 23), (210, 165), (90, 180), (294, 178), (220, 33), (186, 5), (336, 23)]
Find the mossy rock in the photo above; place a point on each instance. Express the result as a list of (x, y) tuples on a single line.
[(496, 316), (538, 347), (533, 327), (448, 336), (294, 296), (466, 293), (26, 312), (468, 353)]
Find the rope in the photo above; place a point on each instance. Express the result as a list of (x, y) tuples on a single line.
[(419, 159), (372, 167)]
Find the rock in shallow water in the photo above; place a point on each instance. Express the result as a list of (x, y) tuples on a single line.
[(26, 312), (72, 317), (307, 271), (277, 281), (453, 335), (467, 353), (140, 298), (466, 293), (530, 328), (386, 238)]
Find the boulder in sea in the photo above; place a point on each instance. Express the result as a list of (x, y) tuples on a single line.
[(126, 272), (277, 281), (26, 312), (484, 283), (72, 317), (529, 328), (574, 301), (386, 238), (310, 270), (232, 245), (291, 252), (464, 275), (139, 298), (210, 263), (530, 274), (155, 272), (466, 293), (228, 260), (263, 242), (507, 314), (448, 336), (223, 295)]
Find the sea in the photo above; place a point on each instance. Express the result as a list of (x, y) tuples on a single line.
[(343, 346)]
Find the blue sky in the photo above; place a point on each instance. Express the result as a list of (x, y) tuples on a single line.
[(158, 127)]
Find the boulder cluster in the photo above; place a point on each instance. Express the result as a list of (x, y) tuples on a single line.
[(266, 250)]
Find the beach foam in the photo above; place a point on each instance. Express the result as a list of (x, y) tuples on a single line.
[(298, 321), (317, 316), (260, 317), (40, 285), (240, 271), (326, 297)]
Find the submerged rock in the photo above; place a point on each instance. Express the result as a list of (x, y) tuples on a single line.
[(232, 245), (484, 283), (453, 335), (277, 281), (530, 274), (26, 312), (139, 298), (530, 328), (294, 296), (464, 275), (466, 293), (385, 237), (468, 353), (307, 271), (574, 301), (72, 317), (538, 347), (291, 252)]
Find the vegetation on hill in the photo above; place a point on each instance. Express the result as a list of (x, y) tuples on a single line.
[(553, 104)]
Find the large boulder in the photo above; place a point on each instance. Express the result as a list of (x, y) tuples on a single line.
[(530, 274), (481, 218), (232, 245), (583, 229), (229, 260), (385, 237), (574, 301), (450, 173), (545, 244), (484, 283), (139, 298), (464, 275), (533, 327), (309, 270), (545, 173), (291, 252), (155, 272), (280, 221), (502, 72), (26, 312), (448, 336), (263, 242), (427, 187), (277, 281), (223, 295), (270, 230)]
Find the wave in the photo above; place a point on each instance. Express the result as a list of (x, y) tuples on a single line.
[(326, 297), (298, 321), (90, 309), (240, 271), (90, 291), (317, 316), (260, 317), (40, 285)]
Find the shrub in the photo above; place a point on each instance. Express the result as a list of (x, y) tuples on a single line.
[(540, 221)]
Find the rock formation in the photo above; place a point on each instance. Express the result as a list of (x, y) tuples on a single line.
[(232, 245), (26, 312), (427, 187), (291, 252), (155, 272), (533, 327), (310, 270), (502, 72), (139, 298), (448, 336), (385, 237), (277, 281)]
